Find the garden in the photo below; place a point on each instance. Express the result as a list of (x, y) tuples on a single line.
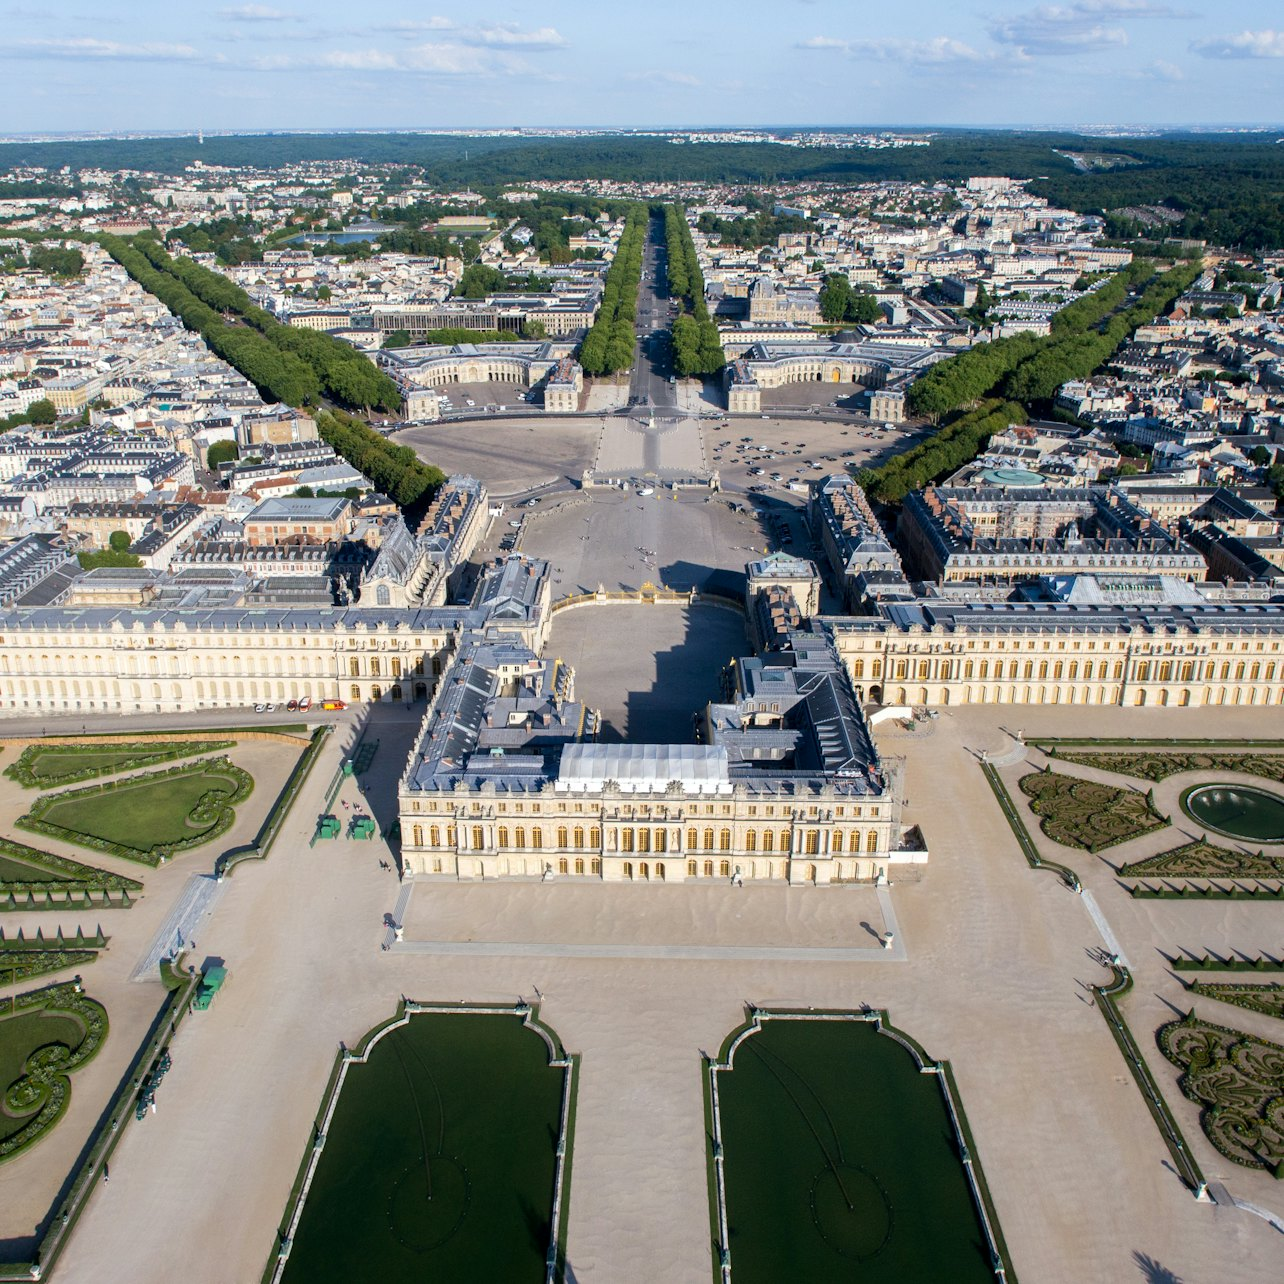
[(1267, 999), (46, 765), (48, 1034), (1157, 766), (440, 1158), (840, 1159), (1088, 815), (1238, 1080), (147, 817), (1202, 859)]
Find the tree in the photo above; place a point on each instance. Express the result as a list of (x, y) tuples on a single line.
[(119, 541), (42, 412), (221, 452), (323, 293), (397, 339), (835, 297)]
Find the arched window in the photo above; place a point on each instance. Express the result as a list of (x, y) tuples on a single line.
[(784, 840), (751, 840), (813, 842), (708, 840), (871, 841), (836, 842), (626, 839), (561, 835), (502, 836), (858, 668), (434, 836), (595, 865), (579, 864), (419, 836), (479, 840), (724, 869), (724, 840), (768, 840), (537, 838), (662, 840), (595, 839), (579, 837), (692, 840), (519, 837), (691, 869)]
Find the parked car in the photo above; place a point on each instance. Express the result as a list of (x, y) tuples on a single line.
[(305, 704), (292, 706), (333, 704)]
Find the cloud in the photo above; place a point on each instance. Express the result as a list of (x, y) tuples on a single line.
[(935, 52), (258, 13), (85, 48), (507, 36), (493, 35), (1247, 44), (680, 78), (446, 58)]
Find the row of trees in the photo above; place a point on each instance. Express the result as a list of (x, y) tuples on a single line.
[(1028, 368), (396, 470), (951, 448), (530, 330), (608, 346), (278, 375), (696, 347), (288, 364)]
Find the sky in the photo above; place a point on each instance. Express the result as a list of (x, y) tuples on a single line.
[(138, 65)]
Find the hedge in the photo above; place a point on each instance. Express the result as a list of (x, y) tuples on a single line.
[(147, 756)]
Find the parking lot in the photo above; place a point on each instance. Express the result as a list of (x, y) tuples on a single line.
[(769, 454)]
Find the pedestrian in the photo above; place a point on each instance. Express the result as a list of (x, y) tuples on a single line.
[(106, 1173)]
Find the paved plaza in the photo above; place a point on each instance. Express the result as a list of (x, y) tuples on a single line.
[(997, 958), (621, 540)]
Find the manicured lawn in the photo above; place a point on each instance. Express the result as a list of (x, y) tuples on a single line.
[(440, 1160), (42, 765), (841, 1162), (20, 1036), (16, 871), (140, 816)]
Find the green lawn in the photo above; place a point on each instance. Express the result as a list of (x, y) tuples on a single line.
[(150, 813), (20, 1036), (16, 871), (42, 765), (439, 1161)]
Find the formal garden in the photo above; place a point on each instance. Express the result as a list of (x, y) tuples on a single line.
[(840, 1158), (1202, 859), (1266, 998), (441, 1157), (32, 879), (1238, 1080), (1086, 814), (148, 817), (44, 1037), (1156, 765), (52, 764)]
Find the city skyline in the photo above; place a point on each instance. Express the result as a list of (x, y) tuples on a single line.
[(145, 67)]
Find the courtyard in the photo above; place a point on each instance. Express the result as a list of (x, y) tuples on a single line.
[(649, 669)]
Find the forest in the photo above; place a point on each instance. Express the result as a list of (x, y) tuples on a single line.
[(1228, 188)]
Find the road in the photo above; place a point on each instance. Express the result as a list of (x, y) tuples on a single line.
[(649, 385)]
